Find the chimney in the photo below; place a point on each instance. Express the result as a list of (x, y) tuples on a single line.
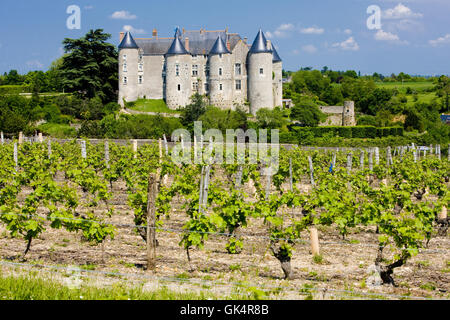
[(229, 46), (245, 40), (155, 33), (269, 45), (121, 36), (186, 43)]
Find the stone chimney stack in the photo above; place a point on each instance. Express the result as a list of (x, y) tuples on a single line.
[(229, 46), (121, 36), (245, 40), (186, 44), (155, 33)]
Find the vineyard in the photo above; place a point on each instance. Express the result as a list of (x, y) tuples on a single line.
[(328, 224)]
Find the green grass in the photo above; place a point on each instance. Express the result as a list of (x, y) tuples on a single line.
[(144, 105), (31, 287), (422, 98), (418, 86), (58, 130)]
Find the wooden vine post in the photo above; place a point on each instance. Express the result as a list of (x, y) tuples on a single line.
[(314, 236), (151, 221), (311, 170), (2, 138), (40, 137), (135, 148), (107, 154), (20, 137)]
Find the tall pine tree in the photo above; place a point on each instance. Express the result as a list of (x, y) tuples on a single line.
[(89, 67)]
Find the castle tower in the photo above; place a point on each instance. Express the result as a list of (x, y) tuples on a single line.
[(348, 114), (260, 68), (277, 79), (220, 76), (128, 69), (178, 74)]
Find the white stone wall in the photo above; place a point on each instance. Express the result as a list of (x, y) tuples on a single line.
[(260, 86), (278, 84), (239, 55), (128, 91), (221, 89), (178, 98), (152, 85)]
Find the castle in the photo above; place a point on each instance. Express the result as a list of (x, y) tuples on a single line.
[(217, 64), (339, 115)]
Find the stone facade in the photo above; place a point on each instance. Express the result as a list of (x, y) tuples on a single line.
[(217, 64), (339, 115)]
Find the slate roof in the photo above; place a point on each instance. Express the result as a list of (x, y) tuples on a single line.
[(276, 57), (219, 47), (260, 43), (177, 47), (128, 42), (201, 42)]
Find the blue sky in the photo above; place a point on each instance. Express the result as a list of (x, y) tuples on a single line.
[(414, 35)]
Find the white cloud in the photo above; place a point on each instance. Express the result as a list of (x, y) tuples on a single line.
[(282, 31), (349, 45), (35, 64), (442, 40), (123, 15), (386, 36), (312, 30), (400, 12), (128, 28), (309, 49)]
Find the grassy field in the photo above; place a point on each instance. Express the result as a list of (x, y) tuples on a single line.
[(402, 87), (58, 130), (145, 105)]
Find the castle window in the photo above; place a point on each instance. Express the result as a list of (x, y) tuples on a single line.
[(194, 70), (220, 56), (220, 87), (140, 79), (238, 85), (124, 57), (141, 67), (237, 69), (206, 71), (206, 87), (140, 57), (177, 70), (195, 86), (179, 87), (125, 80), (220, 71), (261, 71), (125, 67)]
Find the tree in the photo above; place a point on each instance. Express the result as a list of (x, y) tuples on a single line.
[(193, 111), (89, 68), (307, 113), (270, 119)]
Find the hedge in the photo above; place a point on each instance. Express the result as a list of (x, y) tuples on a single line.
[(10, 89), (362, 132)]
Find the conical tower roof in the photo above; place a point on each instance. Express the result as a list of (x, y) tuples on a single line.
[(276, 57), (260, 43), (219, 47), (128, 42), (177, 46)]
